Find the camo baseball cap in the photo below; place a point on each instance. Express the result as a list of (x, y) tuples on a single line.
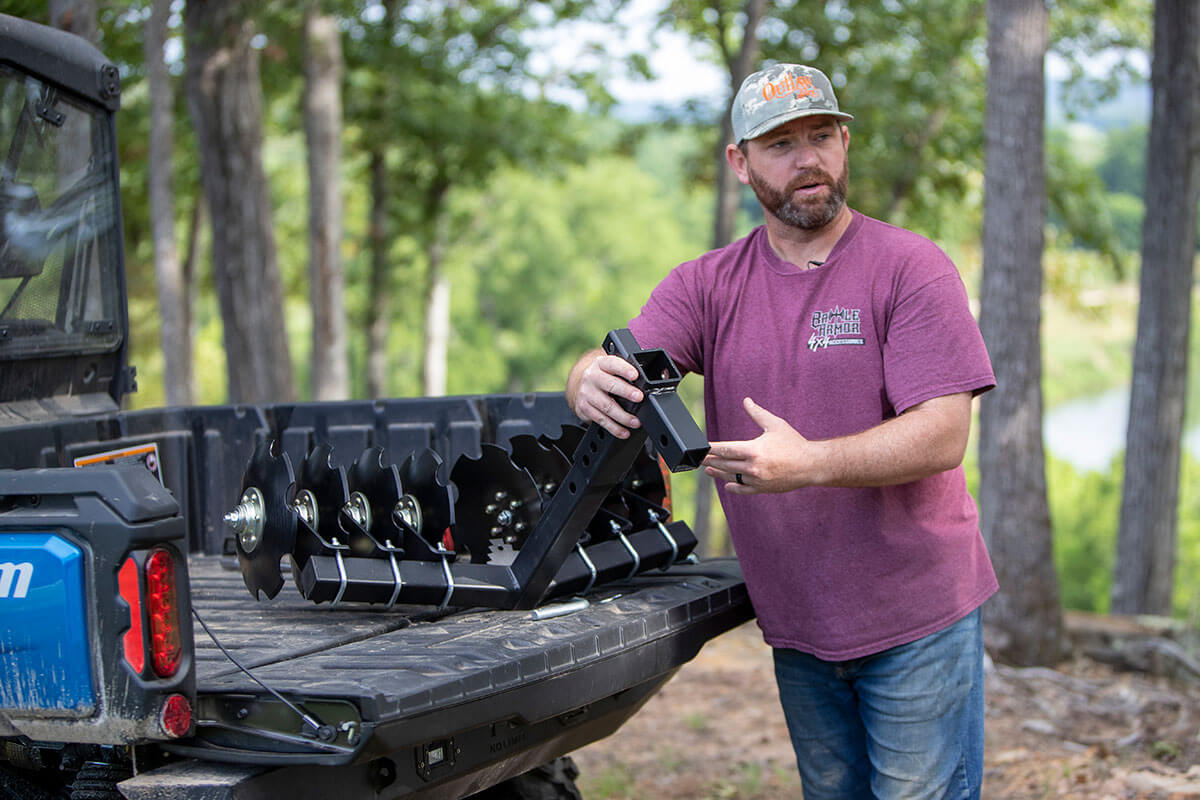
[(779, 94)]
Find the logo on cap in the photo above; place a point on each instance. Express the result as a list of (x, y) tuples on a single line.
[(800, 86)]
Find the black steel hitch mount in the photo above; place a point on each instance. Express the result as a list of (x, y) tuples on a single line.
[(391, 535)]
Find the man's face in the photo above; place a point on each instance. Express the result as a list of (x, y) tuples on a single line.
[(799, 171)]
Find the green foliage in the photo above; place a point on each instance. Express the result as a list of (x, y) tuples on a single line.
[(1084, 509), (558, 261), (1081, 29), (1079, 204), (35, 10), (1123, 168)]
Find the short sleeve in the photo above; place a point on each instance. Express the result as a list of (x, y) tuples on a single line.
[(673, 319), (933, 346)]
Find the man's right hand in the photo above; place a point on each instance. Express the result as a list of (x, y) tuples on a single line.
[(595, 383)]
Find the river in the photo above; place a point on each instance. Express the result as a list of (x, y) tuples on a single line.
[(1090, 433)]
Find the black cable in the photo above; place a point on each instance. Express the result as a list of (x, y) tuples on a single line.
[(312, 721)]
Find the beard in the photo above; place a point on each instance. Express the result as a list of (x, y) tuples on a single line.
[(809, 213)]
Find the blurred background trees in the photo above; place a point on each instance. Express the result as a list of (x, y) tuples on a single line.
[(500, 210)]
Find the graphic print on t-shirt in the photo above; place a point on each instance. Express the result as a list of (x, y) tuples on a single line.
[(837, 326)]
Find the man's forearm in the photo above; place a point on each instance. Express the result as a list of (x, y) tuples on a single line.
[(927, 439)]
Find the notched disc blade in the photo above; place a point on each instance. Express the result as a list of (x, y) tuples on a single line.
[(270, 472), (498, 505), (326, 482), (567, 441), (422, 476), (379, 482), (547, 465)]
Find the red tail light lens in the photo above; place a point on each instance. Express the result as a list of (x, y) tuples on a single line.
[(162, 600), (176, 716), (127, 584)]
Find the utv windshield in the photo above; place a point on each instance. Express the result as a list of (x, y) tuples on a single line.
[(59, 237)]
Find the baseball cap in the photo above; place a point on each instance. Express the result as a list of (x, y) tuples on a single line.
[(778, 94)]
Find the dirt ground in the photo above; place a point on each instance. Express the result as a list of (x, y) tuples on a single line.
[(1082, 730)]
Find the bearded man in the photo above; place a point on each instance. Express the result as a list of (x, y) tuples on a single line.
[(840, 360)]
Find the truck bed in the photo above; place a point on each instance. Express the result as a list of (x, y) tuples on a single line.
[(471, 688), (364, 700)]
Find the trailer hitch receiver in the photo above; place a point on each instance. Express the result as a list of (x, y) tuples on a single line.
[(662, 413)]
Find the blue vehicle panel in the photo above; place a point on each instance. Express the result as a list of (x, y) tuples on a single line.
[(44, 650)]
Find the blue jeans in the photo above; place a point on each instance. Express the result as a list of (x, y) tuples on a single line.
[(904, 723)]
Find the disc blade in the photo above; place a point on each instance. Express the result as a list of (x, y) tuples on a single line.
[(325, 483), (379, 483), (547, 465), (567, 440), (498, 504), (422, 476), (270, 472)]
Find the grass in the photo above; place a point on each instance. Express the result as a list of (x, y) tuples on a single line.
[(612, 783)]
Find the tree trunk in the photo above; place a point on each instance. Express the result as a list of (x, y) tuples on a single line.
[(330, 371), (225, 100), (378, 304), (728, 188), (728, 192), (173, 300), (1014, 511), (1145, 565), (437, 316)]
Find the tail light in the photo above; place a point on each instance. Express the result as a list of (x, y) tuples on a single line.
[(176, 716), (162, 597), (131, 592), (161, 606)]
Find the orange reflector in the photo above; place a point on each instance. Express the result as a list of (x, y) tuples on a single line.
[(176, 716), (127, 585), (166, 649)]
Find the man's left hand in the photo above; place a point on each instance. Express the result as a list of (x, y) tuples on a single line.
[(771, 462)]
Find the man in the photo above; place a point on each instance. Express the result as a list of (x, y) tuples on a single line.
[(840, 359)]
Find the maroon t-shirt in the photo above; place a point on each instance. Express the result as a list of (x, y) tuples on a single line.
[(834, 350)]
